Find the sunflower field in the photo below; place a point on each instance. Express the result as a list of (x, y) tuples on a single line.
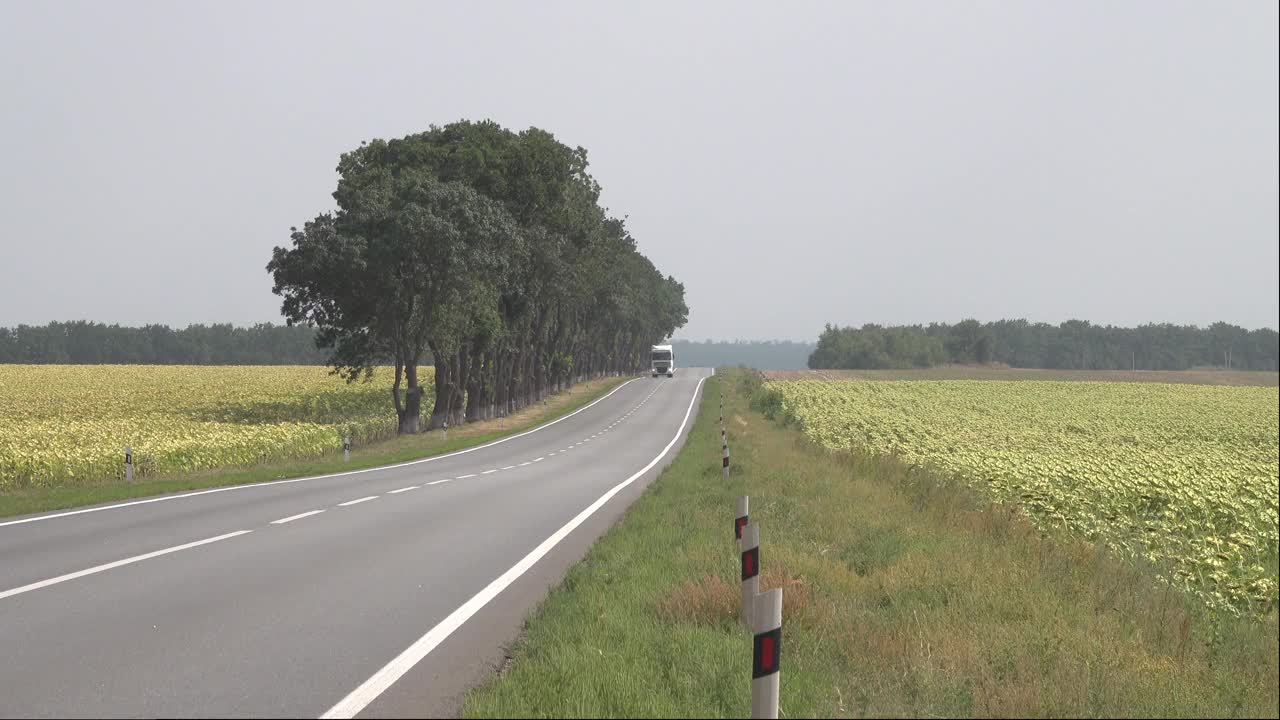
[(1184, 477), (69, 424)]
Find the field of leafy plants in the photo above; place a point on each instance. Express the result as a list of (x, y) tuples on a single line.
[(1184, 477), (64, 425)]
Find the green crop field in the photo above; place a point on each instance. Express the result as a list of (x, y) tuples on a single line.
[(67, 425), (1181, 476)]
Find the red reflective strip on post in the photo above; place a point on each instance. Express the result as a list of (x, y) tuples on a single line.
[(726, 461), (738, 524), (750, 563), (767, 653)]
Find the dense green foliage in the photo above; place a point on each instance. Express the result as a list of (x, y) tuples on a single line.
[(88, 343), (1072, 345), (759, 354), (486, 249)]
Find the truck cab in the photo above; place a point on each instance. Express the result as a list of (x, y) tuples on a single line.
[(663, 360)]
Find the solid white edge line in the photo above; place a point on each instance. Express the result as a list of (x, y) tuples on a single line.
[(299, 516), (437, 482), (464, 477), (370, 689), (358, 501), (489, 472), (116, 564), (315, 477), (411, 487), (508, 467)]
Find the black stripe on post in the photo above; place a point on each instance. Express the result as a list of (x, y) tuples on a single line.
[(751, 563), (726, 461), (738, 524), (766, 653)]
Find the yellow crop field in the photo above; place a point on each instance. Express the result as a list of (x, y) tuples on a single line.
[(69, 424), (1183, 476)]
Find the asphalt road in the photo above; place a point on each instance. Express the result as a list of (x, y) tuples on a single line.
[(384, 592)]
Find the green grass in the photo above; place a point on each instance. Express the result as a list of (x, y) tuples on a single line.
[(399, 449), (904, 595)]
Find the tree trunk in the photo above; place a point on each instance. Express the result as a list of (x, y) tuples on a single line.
[(442, 392), (409, 414)]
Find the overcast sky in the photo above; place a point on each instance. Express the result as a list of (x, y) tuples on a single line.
[(791, 164)]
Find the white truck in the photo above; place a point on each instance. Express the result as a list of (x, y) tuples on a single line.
[(663, 360)]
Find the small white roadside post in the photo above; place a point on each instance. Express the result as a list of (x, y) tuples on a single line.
[(725, 463), (446, 430), (766, 653), (346, 448), (128, 463), (740, 516), (750, 554)]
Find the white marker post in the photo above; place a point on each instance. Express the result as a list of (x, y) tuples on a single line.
[(446, 430), (766, 654), (346, 448), (740, 517), (749, 546), (128, 464), (725, 463)]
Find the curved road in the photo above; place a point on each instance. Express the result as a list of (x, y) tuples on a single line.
[(382, 592)]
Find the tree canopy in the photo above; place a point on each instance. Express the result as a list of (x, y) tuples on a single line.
[(485, 249), (1074, 344), (81, 342)]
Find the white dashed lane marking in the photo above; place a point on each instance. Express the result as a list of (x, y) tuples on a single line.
[(357, 501), (299, 516)]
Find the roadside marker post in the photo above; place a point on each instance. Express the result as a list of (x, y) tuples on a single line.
[(766, 654), (750, 564), (446, 430), (725, 461), (128, 463), (346, 448), (740, 517)]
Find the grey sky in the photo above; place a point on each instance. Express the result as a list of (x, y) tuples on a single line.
[(791, 164)]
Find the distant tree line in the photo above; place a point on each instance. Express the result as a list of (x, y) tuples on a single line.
[(760, 354), (486, 250), (88, 343), (1074, 344)]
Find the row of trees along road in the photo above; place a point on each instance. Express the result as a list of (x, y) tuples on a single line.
[(485, 249), (1074, 344)]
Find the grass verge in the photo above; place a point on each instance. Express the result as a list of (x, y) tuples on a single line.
[(395, 450), (903, 596)]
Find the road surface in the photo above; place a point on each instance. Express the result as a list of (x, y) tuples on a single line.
[(382, 592)]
